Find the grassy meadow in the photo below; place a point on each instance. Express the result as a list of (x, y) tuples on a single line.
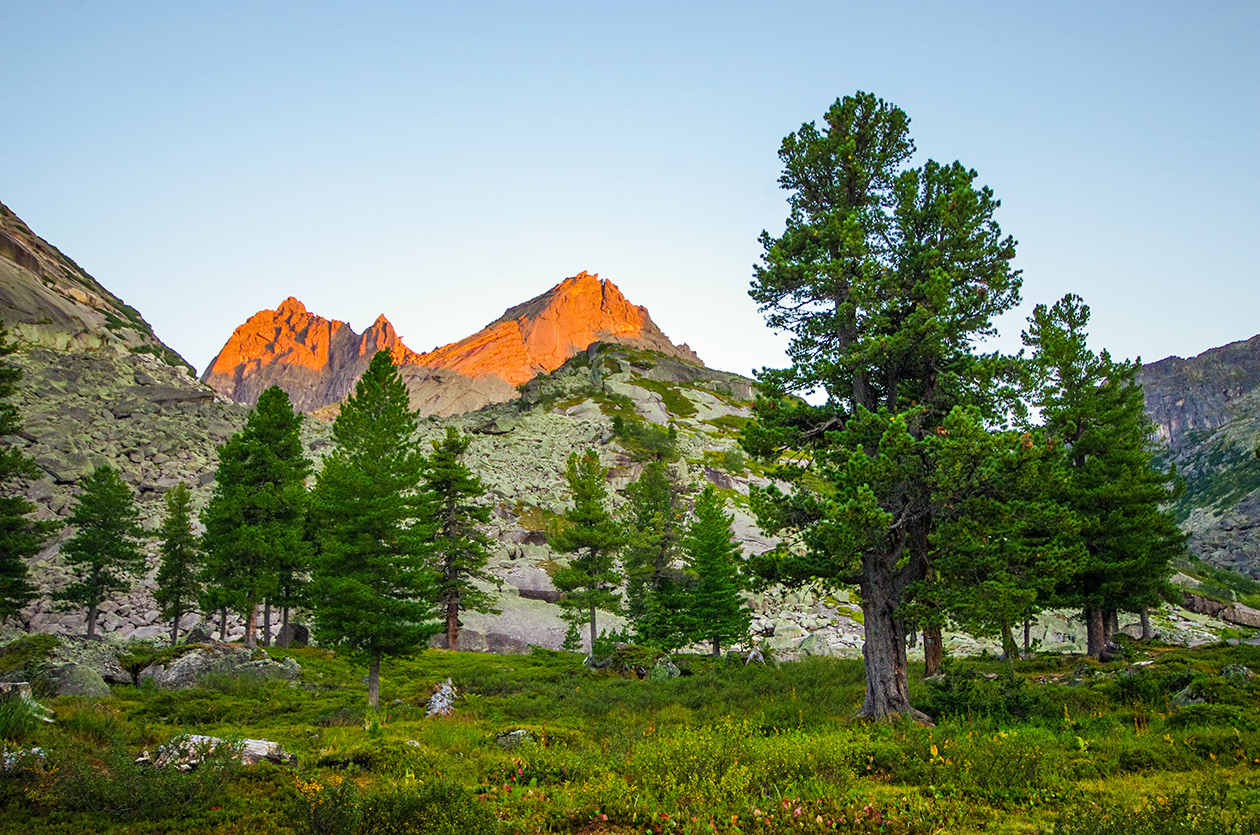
[(1054, 744)]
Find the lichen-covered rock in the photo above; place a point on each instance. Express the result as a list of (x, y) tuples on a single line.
[(73, 680), (190, 668)]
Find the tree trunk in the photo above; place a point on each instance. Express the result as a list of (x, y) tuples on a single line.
[(1094, 629), (887, 688), (933, 651), (266, 630), (1147, 632), (1111, 625), (1027, 636), (91, 621), (175, 629), (251, 622), (284, 617), (452, 624), (592, 627), (717, 647), (1009, 648), (374, 683), (222, 624)]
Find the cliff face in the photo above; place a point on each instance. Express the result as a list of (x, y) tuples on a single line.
[(315, 360), (318, 361), (47, 300), (1207, 408)]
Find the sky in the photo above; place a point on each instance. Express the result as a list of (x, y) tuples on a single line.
[(441, 162)]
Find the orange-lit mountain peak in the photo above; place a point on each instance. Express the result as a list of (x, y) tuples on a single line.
[(317, 361)]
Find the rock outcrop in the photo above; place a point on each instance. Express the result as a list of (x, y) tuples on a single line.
[(317, 361), (48, 300), (1207, 408)]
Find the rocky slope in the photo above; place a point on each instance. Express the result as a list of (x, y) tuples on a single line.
[(1207, 408), (317, 361)]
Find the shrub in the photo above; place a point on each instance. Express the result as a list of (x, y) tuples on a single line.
[(337, 807), (19, 718), (1183, 813)]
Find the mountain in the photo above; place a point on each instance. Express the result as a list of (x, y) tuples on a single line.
[(317, 360), (48, 300), (1208, 410)]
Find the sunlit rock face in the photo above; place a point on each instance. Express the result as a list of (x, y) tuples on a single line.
[(317, 361)]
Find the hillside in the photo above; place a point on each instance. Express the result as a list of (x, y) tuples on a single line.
[(1207, 408)]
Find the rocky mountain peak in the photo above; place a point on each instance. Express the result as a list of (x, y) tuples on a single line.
[(318, 360)]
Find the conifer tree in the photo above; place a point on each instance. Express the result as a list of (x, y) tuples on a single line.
[(1004, 538), (1094, 404), (715, 612), (458, 550), (886, 276), (179, 575), (594, 537), (256, 515), (104, 552), (655, 588), (20, 537), (372, 591)]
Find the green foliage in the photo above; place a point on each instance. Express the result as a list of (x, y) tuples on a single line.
[(179, 575), (458, 550), (886, 276), (715, 611), (104, 552), (255, 521), (26, 652), (372, 589), (655, 587), (646, 441), (339, 807), (594, 537), (19, 718), (1094, 405), (1207, 811), (20, 537)]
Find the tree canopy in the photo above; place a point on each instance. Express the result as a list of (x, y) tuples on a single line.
[(590, 532), (715, 610), (458, 550), (104, 552), (886, 276), (255, 519), (179, 574), (373, 591)]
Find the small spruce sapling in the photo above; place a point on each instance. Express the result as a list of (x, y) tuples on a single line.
[(717, 612)]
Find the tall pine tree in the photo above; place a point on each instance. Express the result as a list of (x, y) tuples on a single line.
[(1094, 404), (179, 575), (372, 590), (594, 537), (715, 612), (256, 516), (104, 552), (20, 537), (886, 276), (459, 550)]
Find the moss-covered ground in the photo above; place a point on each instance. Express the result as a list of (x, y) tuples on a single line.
[(1051, 744)]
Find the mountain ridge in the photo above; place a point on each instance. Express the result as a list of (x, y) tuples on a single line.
[(317, 360)]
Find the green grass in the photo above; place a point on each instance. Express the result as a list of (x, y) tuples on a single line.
[(749, 749)]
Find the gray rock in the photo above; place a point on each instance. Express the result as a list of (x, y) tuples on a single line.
[(189, 669), (74, 680), (513, 739), (293, 635), (199, 634), (814, 644)]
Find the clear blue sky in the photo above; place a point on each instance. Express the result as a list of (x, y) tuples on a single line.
[(440, 162)]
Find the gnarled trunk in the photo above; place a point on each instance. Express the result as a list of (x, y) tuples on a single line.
[(887, 686)]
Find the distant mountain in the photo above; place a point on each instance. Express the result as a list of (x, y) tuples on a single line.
[(1208, 410), (317, 361)]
